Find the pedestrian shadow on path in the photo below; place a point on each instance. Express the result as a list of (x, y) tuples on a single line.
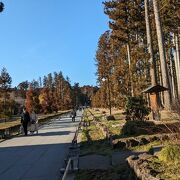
[(55, 133)]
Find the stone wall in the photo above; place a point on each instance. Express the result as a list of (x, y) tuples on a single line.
[(132, 142), (140, 167)]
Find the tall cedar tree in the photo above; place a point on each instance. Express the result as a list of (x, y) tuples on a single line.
[(5, 84)]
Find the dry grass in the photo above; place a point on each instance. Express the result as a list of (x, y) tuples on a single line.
[(93, 141), (6, 125), (101, 110), (113, 125), (92, 138)]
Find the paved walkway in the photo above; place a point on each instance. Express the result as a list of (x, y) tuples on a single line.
[(37, 157)]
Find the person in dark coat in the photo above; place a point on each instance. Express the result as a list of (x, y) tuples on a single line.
[(73, 115), (25, 119)]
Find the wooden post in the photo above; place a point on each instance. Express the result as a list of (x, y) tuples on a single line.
[(155, 106)]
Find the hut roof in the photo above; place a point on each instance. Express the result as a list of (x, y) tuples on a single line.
[(156, 89)]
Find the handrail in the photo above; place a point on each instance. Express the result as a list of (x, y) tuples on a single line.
[(70, 161), (67, 169)]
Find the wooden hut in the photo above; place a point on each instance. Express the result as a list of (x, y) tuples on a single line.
[(155, 101)]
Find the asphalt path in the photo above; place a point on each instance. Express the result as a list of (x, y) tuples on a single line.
[(38, 157)]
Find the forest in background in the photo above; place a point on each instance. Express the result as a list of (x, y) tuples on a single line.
[(49, 94)]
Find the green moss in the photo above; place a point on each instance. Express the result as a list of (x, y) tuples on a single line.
[(83, 136), (170, 153), (171, 171), (164, 170), (146, 147), (167, 165)]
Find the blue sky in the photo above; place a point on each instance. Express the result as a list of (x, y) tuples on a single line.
[(43, 36)]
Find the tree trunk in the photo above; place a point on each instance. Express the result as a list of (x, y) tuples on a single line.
[(109, 95), (171, 75), (130, 73), (167, 95), (177, 62), (152, 61)]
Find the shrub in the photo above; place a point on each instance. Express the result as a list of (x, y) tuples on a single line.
[(136, 108), (170, 153)]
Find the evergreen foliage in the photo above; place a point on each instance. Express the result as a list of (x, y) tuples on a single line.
[(5, 84), (136, 108)]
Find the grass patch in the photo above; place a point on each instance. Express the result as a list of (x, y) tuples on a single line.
[(6, 125), (93, 141), (164, 170), (171, 171), (146, 147), (93, 133), (166, 165), (99, 144), (170, 153), (119, 116), (115, 126)]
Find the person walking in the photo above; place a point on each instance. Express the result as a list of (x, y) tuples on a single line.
[(25, 119), (73, 115), (34, 122)]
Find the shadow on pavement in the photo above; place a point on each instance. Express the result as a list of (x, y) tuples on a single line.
[(55, 133), (37, 158), (33, 162)]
